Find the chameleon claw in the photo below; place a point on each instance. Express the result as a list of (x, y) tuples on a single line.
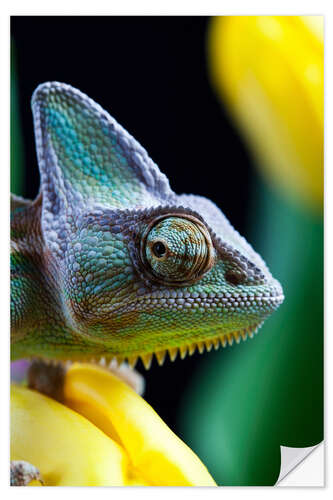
[(22, 473)]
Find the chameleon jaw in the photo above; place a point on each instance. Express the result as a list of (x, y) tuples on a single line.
[(221, 340)]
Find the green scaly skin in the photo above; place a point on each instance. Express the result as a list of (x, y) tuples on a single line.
[(109, 262)]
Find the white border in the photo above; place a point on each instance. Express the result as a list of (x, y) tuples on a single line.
[(145, 7), (165, 7)]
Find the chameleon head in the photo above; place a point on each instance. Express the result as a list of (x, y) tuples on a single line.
[(160, 279), (137, 269)]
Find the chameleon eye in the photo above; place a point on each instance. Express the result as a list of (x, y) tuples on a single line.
[(159, 249), (176, 250)]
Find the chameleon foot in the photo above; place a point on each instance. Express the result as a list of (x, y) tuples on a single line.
[(47, 378), (22, 473)]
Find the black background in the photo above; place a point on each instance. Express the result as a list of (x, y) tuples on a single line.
[(151, 74)]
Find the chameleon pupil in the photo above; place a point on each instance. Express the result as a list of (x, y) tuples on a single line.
[(159, 249)]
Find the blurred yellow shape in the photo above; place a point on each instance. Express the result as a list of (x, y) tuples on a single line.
[(67, 449), (35, 482), (270, 72), (108, 437)]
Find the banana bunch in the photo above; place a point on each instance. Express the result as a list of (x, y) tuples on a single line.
[(104, 434)]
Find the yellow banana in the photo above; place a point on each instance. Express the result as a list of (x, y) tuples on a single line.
[(158, 455), (35, 482), (66, 448), (104, 434)]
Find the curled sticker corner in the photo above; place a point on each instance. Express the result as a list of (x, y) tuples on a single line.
[(291, 457)]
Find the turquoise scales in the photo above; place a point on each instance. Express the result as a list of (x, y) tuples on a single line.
[(109, 262)]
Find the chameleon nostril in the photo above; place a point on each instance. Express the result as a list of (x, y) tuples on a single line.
[(234, 277)]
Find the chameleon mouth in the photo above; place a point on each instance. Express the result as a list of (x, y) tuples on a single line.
[(222, 340), (112, 361)]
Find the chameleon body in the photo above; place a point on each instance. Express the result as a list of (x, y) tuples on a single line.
[(109, 262)]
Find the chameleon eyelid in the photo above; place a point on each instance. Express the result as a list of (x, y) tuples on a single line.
[(201, 267)]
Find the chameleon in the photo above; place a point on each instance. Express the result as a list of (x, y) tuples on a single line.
[(108, 263)]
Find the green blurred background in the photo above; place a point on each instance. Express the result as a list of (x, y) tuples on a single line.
[(257, 85), (268, 71), (265, 393)]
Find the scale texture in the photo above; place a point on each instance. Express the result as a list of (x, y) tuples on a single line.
[(108, 262)]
